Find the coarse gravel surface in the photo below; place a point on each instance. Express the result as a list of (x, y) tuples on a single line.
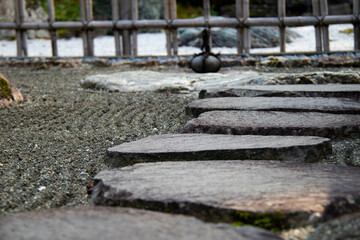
[(53, 143)]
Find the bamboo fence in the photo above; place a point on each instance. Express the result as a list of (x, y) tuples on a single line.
[(125, 24)]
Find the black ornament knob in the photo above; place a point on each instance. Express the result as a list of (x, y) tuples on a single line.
[(205, 62)]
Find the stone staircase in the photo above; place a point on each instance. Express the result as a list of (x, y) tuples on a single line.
[(249, 157)]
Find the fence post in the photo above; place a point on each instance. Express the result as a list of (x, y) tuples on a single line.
[(171, 34), (325, 28), (246, 36), (125, 14), (316, 13), (86, 16), (173, 15), (356, 11), (167, 30), (207, 16), (239, 29), (134, 17), (281, 15), (115, 18), (20, 34), (53, 33)]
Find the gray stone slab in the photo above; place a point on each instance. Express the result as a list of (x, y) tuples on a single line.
[(118, 223), (290, 193), (295, 90), (275, 123), (216, 146), (289, 104)]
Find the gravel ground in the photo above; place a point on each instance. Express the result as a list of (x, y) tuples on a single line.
[(53, 143)]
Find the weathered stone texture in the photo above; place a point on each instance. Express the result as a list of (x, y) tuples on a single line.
[(174, 147), (295, 90), (118, 223), (302, 104), (210, 189), (275, 123)]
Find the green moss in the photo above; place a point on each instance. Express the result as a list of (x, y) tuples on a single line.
[(271, 221), (5, 89), (347, 31)]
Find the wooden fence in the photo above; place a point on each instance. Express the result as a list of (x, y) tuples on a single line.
[(125, 24)]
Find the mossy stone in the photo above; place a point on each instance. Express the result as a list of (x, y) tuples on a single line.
[(5, 90)]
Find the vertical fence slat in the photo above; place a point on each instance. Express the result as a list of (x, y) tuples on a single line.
[(325, 28), (207, 16), (239, 30), (281, 15), (134, 17), (356, 11), (167, 31), (174, 39), (316, 13), (115, 18), (18, 31), (53, 33), (246, 36), (86, 16), (83, 19), (89, 13), (20, 34), (125, 14)]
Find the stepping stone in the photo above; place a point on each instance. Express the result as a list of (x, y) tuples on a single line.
[(118, 223), (289, 104), (296, 90), (174, 147), (264, 193), (275, 123)]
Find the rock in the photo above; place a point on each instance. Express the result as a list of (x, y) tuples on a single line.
[(269, 194), (160, 81), (118, 223), (286, 62), (337, 61), (275, 123), (274, 62), (151, 9), (289, 104), (261, 37), (173, 147), (296, 90), (179, 81), (8, 92)]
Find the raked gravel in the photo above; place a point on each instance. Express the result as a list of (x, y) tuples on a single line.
[(53, 143)]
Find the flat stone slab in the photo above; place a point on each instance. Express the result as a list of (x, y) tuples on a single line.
[(170, 81), (189, 81), (290, 193), (216, 146), (275, 123), (289, 104), (294, 90), (118, 223)]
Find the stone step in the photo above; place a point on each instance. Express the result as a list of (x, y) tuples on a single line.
[(263, 193), (289, 104), (118, 223), (174, 147), (275, 123), (296, 90)]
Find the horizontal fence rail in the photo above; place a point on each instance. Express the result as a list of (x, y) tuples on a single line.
[(125, 25)]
